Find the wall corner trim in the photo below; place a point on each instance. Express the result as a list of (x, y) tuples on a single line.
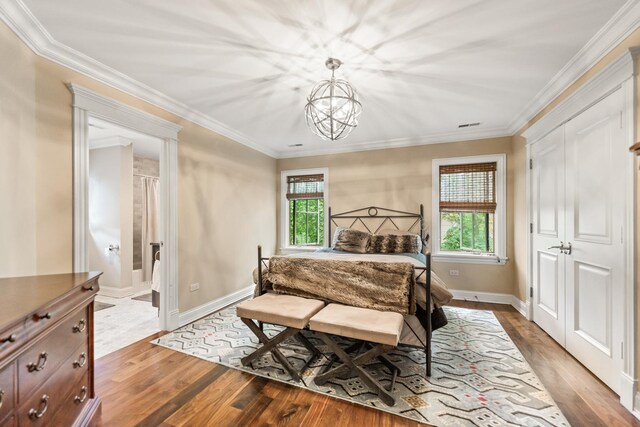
[(203, 310)]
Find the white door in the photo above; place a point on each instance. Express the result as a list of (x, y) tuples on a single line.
[(548, 218), (595, 207)]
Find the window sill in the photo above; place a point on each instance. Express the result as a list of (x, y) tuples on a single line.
[(469, 258), (298, 249)]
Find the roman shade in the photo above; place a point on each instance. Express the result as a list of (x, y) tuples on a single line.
[(305, 187), (468, 187)]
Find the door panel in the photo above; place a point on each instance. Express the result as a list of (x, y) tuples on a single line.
[(548, 272), (592, 203), (548, 227), (592, 308), (595, 155)]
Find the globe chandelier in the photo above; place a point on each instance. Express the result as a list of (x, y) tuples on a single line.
[(332, 109)]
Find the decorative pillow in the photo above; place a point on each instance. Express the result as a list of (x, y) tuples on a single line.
[(393, 231), (350, 240), (396, 242)]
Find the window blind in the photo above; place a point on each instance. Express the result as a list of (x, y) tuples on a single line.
[(468, 187), (305, 187)]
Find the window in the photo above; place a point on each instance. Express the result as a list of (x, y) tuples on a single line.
[(469, 209), (304, 207)]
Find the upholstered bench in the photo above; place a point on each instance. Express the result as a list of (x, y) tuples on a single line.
[(376, 327), (285, 310)]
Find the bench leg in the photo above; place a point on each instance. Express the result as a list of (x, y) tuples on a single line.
[(271, 345), (333, 358), (353, 365)]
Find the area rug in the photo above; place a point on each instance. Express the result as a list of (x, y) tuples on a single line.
[(479, 378)]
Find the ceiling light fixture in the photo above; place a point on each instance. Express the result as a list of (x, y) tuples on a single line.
[(332, 108)]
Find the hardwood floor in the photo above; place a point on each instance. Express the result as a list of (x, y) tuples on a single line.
[(147, 385)]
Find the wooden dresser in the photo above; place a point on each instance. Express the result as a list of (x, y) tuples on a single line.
[(46, 351)]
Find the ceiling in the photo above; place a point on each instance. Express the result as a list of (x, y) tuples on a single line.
[(420, 68), (103, 134)]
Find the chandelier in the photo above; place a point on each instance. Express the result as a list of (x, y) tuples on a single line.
[(332, 108)]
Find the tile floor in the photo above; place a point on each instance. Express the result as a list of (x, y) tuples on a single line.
[(123, 324)]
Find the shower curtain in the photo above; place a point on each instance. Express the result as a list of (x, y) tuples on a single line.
[(150, 222)]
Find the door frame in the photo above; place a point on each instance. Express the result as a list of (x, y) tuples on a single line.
[(86, 104), (619, 74)]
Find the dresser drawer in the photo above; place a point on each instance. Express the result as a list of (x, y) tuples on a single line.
[(11, 339), (42, 360), (53, 312), (54, 400), (12, 421), (73, 403), (7, 387)]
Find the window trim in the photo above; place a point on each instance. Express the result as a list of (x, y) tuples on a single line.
[(285, 248), (500, 218)]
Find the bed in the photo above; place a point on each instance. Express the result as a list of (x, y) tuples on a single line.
[(419, 322)]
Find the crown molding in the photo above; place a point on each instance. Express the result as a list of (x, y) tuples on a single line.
[(436, 138), (20, 19), (605, 82), (619, 27)]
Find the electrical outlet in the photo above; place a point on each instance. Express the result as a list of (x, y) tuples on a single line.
[(194, 287), (454, 273)]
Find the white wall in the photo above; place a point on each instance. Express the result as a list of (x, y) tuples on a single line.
[(111, 217)]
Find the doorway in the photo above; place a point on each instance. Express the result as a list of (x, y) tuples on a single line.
[(90, 106), (123, 238), (578, 206)]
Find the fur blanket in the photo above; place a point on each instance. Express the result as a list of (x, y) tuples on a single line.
[(375, 285)]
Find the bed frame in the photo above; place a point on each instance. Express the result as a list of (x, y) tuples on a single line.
[(373, 219)]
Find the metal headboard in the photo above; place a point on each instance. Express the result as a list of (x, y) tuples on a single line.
[(369, 218)]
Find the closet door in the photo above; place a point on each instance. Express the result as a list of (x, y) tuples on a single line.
[(548, 231), (595, 206)]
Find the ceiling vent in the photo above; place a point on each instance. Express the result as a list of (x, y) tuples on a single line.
[(468, 125)]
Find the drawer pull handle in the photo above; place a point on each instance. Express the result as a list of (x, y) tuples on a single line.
[(34, 414), (82, 324), (1, 398), (90, 288), (47, 315), (81, 360), (38, 366), (82, 397), (10, 338)]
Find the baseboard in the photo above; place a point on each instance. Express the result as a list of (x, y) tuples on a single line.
[(629, 398), (115, 292), (521, 306), (636, 410), (492, 297), (213, 306)]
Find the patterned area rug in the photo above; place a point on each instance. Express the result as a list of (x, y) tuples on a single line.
[(479, 378)]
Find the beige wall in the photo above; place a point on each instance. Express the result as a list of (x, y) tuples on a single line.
[(400, 178), (226, 191), (18, 151)]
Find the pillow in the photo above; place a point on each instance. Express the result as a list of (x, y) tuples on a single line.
[(350, 240), (395, 243), (393, 231)]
